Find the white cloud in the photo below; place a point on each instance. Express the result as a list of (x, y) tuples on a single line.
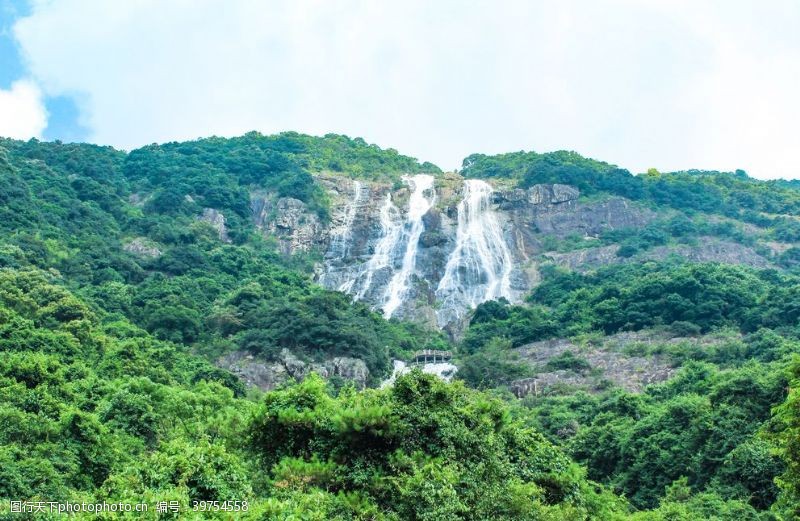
[(22, 113), (660, 83)]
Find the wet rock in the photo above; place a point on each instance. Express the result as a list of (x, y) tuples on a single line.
[(431, 239), (525, 216)]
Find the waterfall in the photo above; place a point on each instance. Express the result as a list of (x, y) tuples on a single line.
[(444, 370), (391, 228), (418, 205), (479, 268), (339, 247), (341, 241)]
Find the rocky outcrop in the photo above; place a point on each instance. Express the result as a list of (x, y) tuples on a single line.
[(619, 359), (288, 220), (561, 214), (708, 249), (365, 245), (267, 375), (348, 368), (253, 371), (586, 258), (217, 221), (142, 247)]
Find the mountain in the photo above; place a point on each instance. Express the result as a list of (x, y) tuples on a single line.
[(624, 343), (432, 247)]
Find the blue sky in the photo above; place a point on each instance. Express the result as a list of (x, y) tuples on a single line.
[(669, 84), (62, 113)]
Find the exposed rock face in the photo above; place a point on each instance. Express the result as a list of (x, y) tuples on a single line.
[(267, 375), (348, 368), (142, 247), (217, 220), (712, 250), (430, 254), (708, 249), (613, 360), (551, 194), (555, 210), (289, 220), (587, 258), (254, 372)]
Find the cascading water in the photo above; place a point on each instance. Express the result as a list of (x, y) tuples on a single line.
[(479, 268), (418, 205), (339, 247), (391, 228), (341, 241), (444, 370)]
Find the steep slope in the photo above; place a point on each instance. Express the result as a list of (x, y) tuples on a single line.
[(646, 321), (95, 412), (165, 237), (434, 258)]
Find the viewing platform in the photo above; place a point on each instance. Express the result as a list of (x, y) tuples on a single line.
[(430, 356)]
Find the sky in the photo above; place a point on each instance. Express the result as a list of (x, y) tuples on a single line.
[(667, 84)]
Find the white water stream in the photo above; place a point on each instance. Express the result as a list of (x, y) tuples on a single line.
[(444, 370), (391, 228), (342, 240), (423, 197), (340, 243), (479, 268)]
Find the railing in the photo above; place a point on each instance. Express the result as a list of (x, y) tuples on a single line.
[(431, 356)]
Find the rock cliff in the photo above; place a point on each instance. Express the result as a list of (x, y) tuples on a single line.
[(269, 374), (429, 249)]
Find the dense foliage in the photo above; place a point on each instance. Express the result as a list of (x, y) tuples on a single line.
[(85, 402), (707, 428), (217, 171), (765, 203), (702, 425), (108, 390), (94, 411), (73, 208), (690, 298), (420, 450)]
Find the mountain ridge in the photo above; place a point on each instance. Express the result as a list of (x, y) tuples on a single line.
[(656, 315)]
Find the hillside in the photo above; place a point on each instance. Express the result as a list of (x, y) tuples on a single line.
[(627, 344)]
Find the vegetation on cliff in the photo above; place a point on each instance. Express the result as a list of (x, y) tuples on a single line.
[(73, 208), (109, 393), (772, 205)]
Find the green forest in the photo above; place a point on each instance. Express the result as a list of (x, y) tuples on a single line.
[(110, 391)]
